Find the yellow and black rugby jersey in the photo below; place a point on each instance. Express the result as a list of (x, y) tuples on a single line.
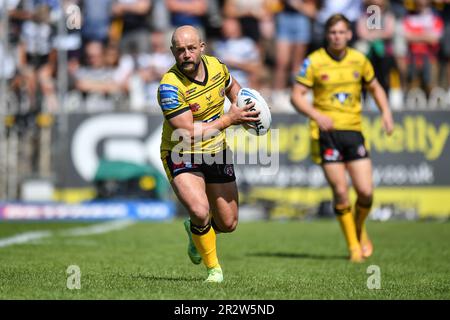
[(337, 85), (177, 93)]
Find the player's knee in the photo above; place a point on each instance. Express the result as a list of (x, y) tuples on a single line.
[(365, 196), (200, 211), (341, 194), (230, 226)]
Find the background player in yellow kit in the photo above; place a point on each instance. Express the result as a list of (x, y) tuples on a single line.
[(191, 95), (336, 74)]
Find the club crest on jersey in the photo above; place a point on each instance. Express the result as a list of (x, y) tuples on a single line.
[(194, 107), (356, 74), (324, 77), (222, 92)]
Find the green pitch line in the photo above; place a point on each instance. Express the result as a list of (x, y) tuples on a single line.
[(260, 260)]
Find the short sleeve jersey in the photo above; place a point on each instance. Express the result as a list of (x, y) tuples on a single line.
[(337, 86), (177, 93)]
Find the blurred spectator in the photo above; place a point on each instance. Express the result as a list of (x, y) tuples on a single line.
[(444, 6), (351, 9), (239, 53), (37, 58), (153, 68), (250, 13), (423, 30), (376, 41), (160, 17), (189, 12), (256, 18), (292, 38), (96, 20), (94, 79), (7, 64), (398, 8), (140, 73), (135, 22)]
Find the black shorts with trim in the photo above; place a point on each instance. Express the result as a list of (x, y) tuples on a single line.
[(342, 146), (216, 168)]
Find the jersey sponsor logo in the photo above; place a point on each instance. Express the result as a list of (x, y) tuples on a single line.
[(194, 107), (168, 97), (342, 96), (183, 165), (304, 67), (331, 154), (168, 87)]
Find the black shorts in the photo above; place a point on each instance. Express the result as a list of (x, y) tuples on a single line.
[(221, 171), (342, 146), (37, 61)]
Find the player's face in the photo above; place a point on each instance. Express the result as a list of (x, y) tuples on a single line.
[(188, 53), (338, 36)]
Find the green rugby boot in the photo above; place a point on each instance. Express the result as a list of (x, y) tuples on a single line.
[(215, 275)]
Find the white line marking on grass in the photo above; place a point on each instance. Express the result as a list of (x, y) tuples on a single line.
[(97, 228), (24, 237), (74, 232)]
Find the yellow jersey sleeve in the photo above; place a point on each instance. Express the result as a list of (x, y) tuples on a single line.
[(228, 78), (306, 75), (171, 99), (368, 74)]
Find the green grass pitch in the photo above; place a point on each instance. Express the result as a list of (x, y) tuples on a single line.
[(261, 260)]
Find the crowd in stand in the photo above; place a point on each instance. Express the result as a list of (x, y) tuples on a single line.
[(115, 51)]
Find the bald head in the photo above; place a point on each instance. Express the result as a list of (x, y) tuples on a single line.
[(187, 48), (186, 33)]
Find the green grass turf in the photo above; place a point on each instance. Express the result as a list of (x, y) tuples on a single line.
[(261, 260)]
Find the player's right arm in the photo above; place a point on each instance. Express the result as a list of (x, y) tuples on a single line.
[(179, 115), (302, 105), (303, 82), (195, 129)]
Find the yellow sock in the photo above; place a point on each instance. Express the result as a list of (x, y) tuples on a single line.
[(206, 246), (361, 213), (347, 222)]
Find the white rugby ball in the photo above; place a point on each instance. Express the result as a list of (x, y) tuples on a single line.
[(246, 96)]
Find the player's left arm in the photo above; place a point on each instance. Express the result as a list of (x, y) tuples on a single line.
[(381, 100), (232, 89)]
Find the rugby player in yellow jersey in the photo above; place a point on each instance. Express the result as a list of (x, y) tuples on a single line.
[(193, 147), (336, 74)]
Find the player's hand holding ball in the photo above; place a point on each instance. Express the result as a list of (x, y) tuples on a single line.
[(250, 99)]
